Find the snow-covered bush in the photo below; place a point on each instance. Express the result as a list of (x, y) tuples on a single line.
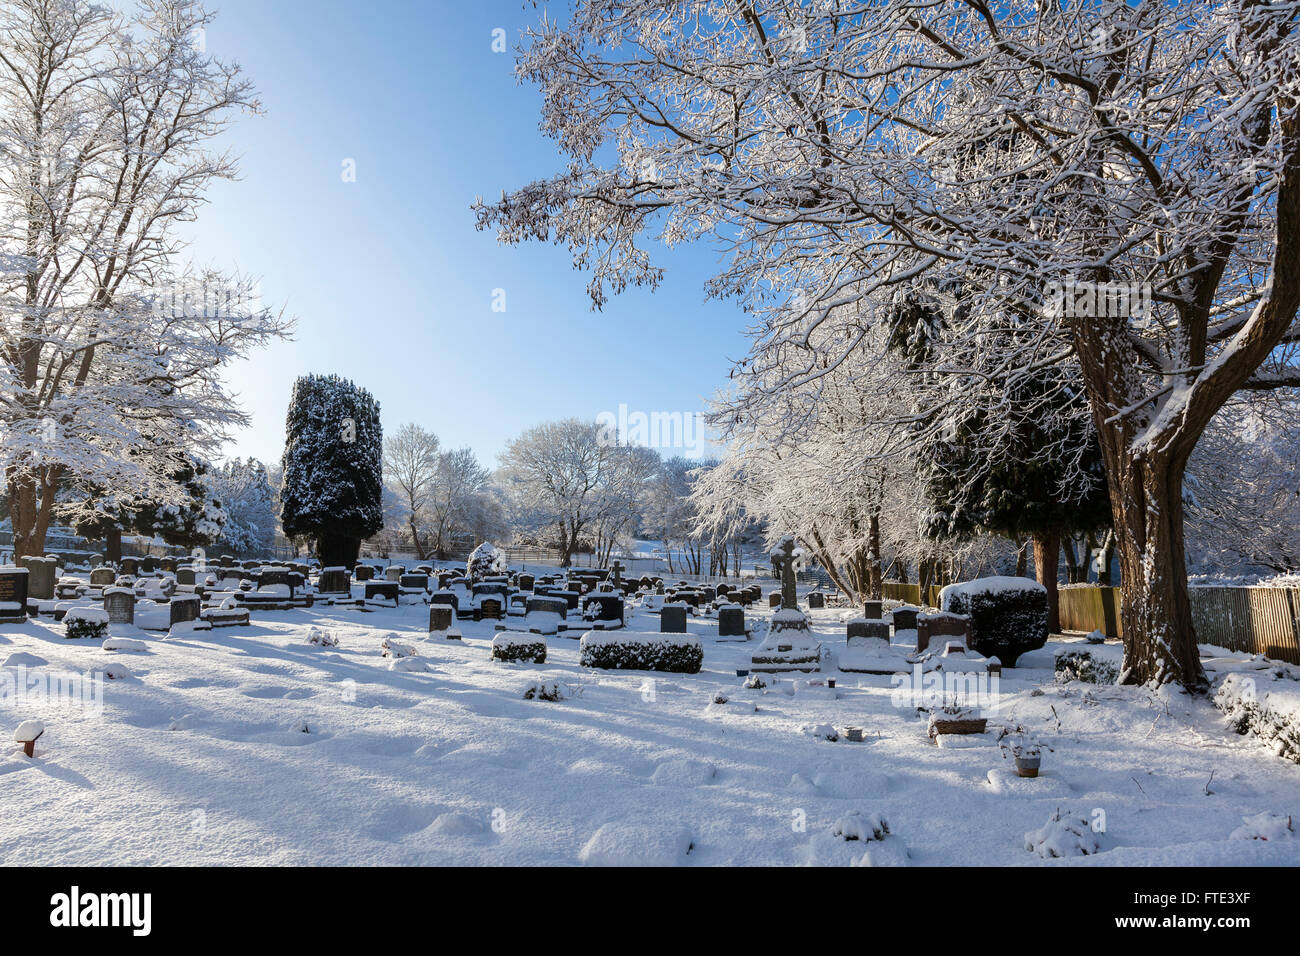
[(485, 560), (518, 647), (1266, 826), (550, 689), (615, 650), (1008, 615), (392, 647), (322, 637), (1272, 714), (83, 622), (856, 825), (1082, 666), (1063, 835)]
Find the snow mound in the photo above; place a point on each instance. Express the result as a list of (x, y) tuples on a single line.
[(1005, 781), (23, 659), (124, 644), (684, 772), (1264, 826), (856, 825), (1061, 836), (820, 731), (409, 665), (637, 844), (116, 672), (549, 689)]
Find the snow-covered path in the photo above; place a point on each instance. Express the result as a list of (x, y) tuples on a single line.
[(197, 759)]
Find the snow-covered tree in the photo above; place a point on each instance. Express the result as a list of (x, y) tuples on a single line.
[(1032, 153), (245, 492), (332, 485), (411, 457), (107, 119)]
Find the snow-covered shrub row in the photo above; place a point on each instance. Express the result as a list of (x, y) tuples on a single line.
[(1081, 666), (83, 622), (675, 653), (550, 689), (519, 647), (1008, 615), (1272, 714)]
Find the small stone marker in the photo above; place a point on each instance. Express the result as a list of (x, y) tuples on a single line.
[(672, 619), (120, 604)]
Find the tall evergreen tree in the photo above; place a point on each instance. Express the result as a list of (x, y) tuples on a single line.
[(332, 483)]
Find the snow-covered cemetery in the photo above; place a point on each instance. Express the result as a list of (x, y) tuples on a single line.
[(975, 540)]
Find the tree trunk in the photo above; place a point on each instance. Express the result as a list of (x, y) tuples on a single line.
[(337, 551), (1022, 558), (874, 576), (1156, 613), (113, 546), (1047, 556), (415, 541)]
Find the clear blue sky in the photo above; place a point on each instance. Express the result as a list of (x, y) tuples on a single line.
[(390, 282)]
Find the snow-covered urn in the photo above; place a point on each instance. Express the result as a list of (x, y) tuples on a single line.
[(1063, 835), (28, 732), (484, 561)]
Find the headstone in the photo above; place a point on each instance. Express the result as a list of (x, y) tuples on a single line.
[(334, 581), (41, 575), (816, 600), (184, 607), (526, 582), (672, 619), (120, 604), (731, 622), (394, 572), (905, 618), (13, 594), (417, 582), (441, 617), (382, 589), (774, 599), (103, 577), (873, 610), (603, 607), (129, 567), (863, 629), (449, 598), (618, 575), (940, 624), (363, 572)]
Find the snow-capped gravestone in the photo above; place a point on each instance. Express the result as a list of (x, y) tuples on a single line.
[(816, 601), (41, 575), (103, 577), (441, 623), (904, 618), (790, 644), (937, 625), (13, 595), (120, 604), (334, 581)]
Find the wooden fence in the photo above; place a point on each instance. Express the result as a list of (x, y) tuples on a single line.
[(910, 593)]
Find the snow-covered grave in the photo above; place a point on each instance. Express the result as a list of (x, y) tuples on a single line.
[(332, 736)]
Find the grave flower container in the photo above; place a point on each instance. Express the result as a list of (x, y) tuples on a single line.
[(1027, 765)]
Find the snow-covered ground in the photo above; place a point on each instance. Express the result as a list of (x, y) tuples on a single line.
[(200, 756)]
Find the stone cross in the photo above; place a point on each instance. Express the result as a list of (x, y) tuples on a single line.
[(618, 575), (785, 564)]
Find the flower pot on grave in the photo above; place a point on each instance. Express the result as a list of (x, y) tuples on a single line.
[(1027, 766)]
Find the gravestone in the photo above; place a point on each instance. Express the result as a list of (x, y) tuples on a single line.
[(13, 595), (873, 610), (905, 618), (940, 624), (334, 581), (672, 619), (103, 577), (382, 589), (185, 607), (446, 597), (416, 582), (120, 604), (41, 574), (603, 608), (863, 629), (363, 572), (526, 582), (731, 622), (441, 617), (129, 567), (394, 572), (774, 599), (816, 600)]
